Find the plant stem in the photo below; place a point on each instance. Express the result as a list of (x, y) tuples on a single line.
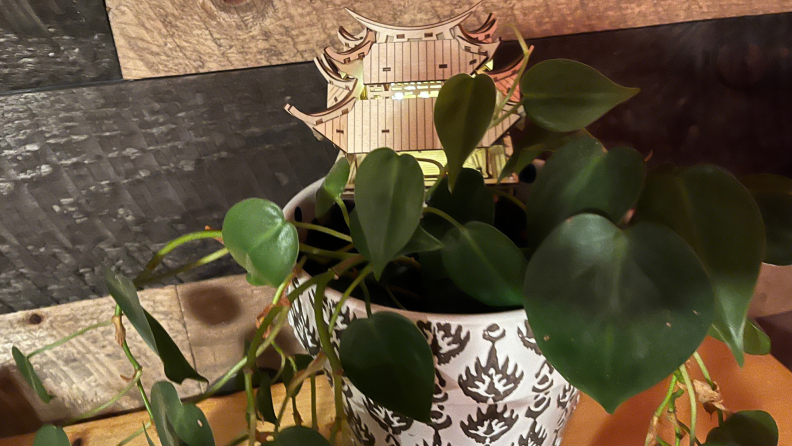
[(526, 55), (109, 403), (393, 298), (251, 407), (282, 288), (314, 415), (137, 367), (437, 164), (324, 253), (69, 338), (652, 435), (509, 197), (367, 298), (335, 362), (280, 352), (337, 311), (134, 435), (323, 229), (344, 210), (173, 244), (506, 115), (693, 405), (439, 213), (139, 282), (704, 370)]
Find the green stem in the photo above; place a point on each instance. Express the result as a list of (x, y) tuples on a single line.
[(69, 338), (251, 407), (323, 229), (141, 281), (337, 311), (660, 409), (367, 298), (393, 298), (509, 197), (280, 352), (138, 369), (173, 244), (436, 163), (344, 210), (439, 213), (704, 370), (314, 415), (135, 434), (113, 400), (506, 115), (693, 405), (339, 408), (324, 253), (526, 55), (322, 327)]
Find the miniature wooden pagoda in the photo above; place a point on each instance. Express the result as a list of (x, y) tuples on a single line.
[(383, 86)]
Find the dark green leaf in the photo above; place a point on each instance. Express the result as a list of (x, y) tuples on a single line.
[(582, 177), (746, 428), (332, 186), (29, 373), (564, 95), (389, 360), (261, 240), (485, 264), (264, 400), (389, 191), (50, 435), (718, 218), (469, 201), (462, 115), (755, 341), (421, 241), (125, 295), (185, 422), (177, 368), (536, 141), (299, 436), (773, 194), (616, 311), (356, 231)]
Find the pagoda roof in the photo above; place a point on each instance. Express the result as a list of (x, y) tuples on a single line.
[(390, 32)]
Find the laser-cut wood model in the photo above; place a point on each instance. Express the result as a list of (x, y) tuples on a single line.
[(383, 86)]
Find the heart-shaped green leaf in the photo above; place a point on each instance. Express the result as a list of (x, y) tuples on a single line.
[(176, 366), (719, 219), (261, 240), (746, 428), (616, 311), (50, 435), (29, 373), (462, 115), (534, 142), (580, 177), (773, 194), (264, 400), (485, 264), (469, 201), (389, 191), (299, 436), (388, 359), (755, 341), (176, 421), (332, 186), (564, 95)]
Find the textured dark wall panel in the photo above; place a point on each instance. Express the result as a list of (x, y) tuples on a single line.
[(96, 177), (45, 43)]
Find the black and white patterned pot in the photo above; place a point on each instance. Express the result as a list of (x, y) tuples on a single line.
[(492, 384)]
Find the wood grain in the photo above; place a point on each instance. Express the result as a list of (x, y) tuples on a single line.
[(87, 371), (171, 37), (55, 43)]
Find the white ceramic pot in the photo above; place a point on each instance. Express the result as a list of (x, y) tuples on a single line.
[(492, 384)]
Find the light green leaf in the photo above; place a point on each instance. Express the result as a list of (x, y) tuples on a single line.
[(388, 359), (29, 373), (773, 194), (462, 115), (485, 264), (50, 435), (564, 95), (389, 191), (719, 219), (261, 240), (746, 428), (299, 436), (177, 422), (616, 311), (332, 187), (580, 177), (264, 400), (755, 341), (536, 141)]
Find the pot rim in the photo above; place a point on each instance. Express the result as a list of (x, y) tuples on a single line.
[(358, 306)]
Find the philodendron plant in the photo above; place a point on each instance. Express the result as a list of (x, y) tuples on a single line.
[(622, 270)]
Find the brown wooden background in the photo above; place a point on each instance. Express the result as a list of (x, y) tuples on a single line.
[(98, 170)]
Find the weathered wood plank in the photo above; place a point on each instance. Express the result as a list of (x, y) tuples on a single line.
[(55, 43), (103, 176), (165, 38), (87, 371)]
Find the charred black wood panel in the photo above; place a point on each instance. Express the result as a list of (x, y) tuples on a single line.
[(51, 43)]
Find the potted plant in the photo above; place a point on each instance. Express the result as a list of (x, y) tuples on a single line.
[(418, 302)]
